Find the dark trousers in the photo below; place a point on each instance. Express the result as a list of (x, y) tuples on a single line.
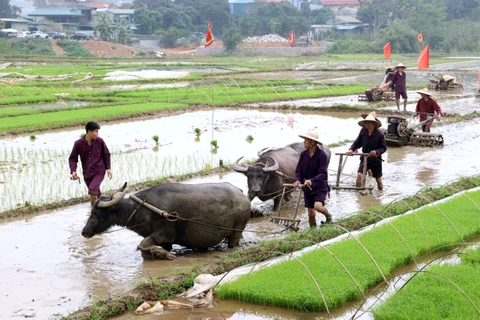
[(93, 183)]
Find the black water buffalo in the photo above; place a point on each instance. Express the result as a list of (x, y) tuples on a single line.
[(207, 214), (273, 168)]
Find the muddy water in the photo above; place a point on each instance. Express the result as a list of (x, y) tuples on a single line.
[(25, 164), (52, 269)]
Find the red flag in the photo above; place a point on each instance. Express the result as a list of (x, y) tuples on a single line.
[(479, 77), (420, 37), (386, 51), (209, 36), (423, 60), (291, 38)]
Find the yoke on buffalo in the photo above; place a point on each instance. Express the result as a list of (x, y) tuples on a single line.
[(207, 214)]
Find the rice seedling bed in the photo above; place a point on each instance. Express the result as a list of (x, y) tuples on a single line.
[(441, 291), (345, 270)]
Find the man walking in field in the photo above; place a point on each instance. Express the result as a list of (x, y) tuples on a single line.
[(95, 158)]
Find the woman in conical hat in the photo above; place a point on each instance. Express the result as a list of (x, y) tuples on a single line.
[(312, 171), (372, 141), (427, 107)]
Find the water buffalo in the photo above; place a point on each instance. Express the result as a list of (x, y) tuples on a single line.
[(273, 168), (207, 214)]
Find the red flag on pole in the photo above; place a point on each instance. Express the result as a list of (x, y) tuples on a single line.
[(291, 38), (420, 37), (209, 36), (386, 51), (423, 60), (479, 77)]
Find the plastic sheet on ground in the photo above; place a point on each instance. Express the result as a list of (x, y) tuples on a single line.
[(120, 75)]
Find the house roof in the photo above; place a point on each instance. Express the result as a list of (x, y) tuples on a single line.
[(15, 20), (123, 11), (100, 5), (42, 12), (347, 19)]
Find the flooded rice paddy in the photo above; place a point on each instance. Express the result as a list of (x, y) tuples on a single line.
[(51, 269)]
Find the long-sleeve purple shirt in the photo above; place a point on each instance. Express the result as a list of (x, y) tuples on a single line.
[(314, 169), (376, 141), (95, 157), (427, 108), (400, 81)]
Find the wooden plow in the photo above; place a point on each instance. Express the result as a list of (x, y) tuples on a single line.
[(341, 165), (289, 223)]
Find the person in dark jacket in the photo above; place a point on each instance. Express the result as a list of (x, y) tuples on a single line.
[(372, 141), (95, 158), (312, 171), (399, 81)]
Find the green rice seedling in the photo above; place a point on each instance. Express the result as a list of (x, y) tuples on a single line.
[(344, 271), (214, 144), (249, 138), (155, 138), (446, 291), (197, 131), (33, 137)]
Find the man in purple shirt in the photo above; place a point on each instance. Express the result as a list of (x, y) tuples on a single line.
[(427, 107), (372, 141), (95, 159), (312, 171), (399, 80)]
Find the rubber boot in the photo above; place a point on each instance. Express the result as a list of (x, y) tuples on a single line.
[(397, 101), (93, 198)]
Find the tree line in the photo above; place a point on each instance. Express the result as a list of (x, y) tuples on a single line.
[(446, 25)]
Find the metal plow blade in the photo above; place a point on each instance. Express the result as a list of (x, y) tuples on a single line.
[(425, 139)]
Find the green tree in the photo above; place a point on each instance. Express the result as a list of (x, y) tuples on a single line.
[(7, 10), (246, 25), (305, 8), (460, 9), (104, 27), (171, 36), (121, 30), (176, 18), (376, 13), (279, 18), (433, 30), (147, 21), (321, 16), (402, 38), (231, 39), (152, 5)]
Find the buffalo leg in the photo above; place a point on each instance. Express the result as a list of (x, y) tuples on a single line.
[(234, 239), (158, 238), (149, 249)]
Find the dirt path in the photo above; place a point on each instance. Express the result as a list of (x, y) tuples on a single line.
[(58, 50), (105, 49)]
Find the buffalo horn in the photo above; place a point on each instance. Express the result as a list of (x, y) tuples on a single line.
[(272, 168), (116, 197), (238, 167)]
